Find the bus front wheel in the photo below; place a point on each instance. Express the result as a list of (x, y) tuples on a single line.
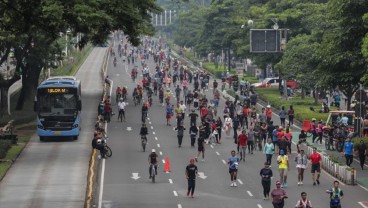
[(42, 138)]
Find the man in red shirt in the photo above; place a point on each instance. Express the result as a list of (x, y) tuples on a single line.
[(242, 144), (203, 112), (269, 113), (316, 165)]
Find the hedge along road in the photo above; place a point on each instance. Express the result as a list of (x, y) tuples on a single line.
[(54, 173)]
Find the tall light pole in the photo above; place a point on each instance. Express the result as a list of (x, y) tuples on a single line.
[(66, 41)]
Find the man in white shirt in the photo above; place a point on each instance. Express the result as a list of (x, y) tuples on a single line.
[(121, 106)]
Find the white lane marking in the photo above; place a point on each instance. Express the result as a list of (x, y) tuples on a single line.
[(175, 193), (217, 153), (170, 181), (153, 132), (151, 127), (259, 206), (163, 161), (179, 206), (158, 145), (211, 146), (155, 138), (241, 182), (148, 119), (361, 204), (150, 122), (160, 153), (363, 187), (223, 161), (101, 184), (249, 193)]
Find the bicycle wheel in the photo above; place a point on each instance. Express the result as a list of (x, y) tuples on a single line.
[(327, 144), (153, 174), (144, 143), (108, 151), (308, 133)]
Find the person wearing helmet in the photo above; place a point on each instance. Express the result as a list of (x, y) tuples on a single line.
[(283, 162), (190, 172), (121, 106), (152, 160)]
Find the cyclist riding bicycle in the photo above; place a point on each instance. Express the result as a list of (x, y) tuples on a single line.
[(152, 160), (144, 112), (124, 92), (99, 141), (144, 131)]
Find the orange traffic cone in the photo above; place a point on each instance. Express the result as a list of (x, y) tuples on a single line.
[(167, 165)]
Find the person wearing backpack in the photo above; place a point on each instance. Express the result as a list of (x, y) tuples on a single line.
[(303, 202)]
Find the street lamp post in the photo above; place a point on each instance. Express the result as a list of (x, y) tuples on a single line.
[(66, 42)]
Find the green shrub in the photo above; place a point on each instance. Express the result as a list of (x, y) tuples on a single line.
[(231, 92), (251, 80), (5, 145)]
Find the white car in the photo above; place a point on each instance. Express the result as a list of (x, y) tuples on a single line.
[(268, 82)]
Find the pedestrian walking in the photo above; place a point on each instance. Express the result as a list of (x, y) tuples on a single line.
[(303, 202), (282, 115), (193, 131), (348, 151), (200, 146), (233, 162), (251, 134), (315, 158), (301, 164), (121, 107), (180, 133), (278, 196), (242, 142), (266, 174), (190, 172), (283, 162), (362, 152), (291, 115), (336, 195), (268, 150)]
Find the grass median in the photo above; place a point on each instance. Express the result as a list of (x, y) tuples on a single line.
[(301, 106)]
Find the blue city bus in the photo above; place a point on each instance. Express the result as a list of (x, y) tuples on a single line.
[(58, 105)]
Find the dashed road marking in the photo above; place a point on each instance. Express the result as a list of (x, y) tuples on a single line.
[(155, 138), (217, 153), (170, 181), (211, 146), (363, 204), (249, 193), (160, 153), (150, 122), (175, 193), (241, 182), (259, 206), (223, 161), (153, 132), (148, 119), (163, 161), (151, 127), (158, 145), (179, 206)]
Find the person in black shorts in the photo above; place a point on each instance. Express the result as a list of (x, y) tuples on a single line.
[(200, 147), (190, 172)]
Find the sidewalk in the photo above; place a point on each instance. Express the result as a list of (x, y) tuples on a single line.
[(362, 175)]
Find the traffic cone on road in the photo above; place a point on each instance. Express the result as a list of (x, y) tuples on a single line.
[(167, 165)]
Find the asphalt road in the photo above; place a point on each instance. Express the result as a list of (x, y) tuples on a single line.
[(54, 173), (121, 189)]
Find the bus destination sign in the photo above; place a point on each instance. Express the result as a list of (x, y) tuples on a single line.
[(57, 90)]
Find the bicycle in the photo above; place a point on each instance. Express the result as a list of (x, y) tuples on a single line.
[(107, 149), (153, 172), (144, 142)]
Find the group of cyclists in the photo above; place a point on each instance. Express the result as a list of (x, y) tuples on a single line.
[(251, 129)]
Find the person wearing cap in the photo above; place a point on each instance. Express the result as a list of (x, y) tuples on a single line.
[(190, 172), (266, 174), (283, 162), (278, 196), (152, 160), (301, 163), (121, 107)]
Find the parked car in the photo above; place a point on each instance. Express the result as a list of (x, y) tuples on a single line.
[(274, 82)]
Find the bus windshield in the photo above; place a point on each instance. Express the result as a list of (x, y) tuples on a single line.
[(57, 104)]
